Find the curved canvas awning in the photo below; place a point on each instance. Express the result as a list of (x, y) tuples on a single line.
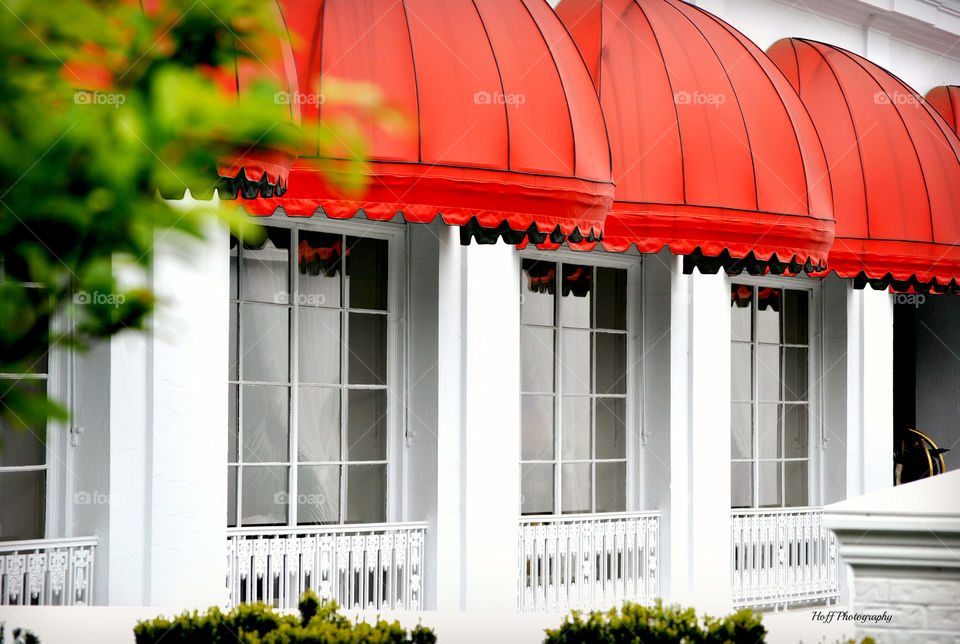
[(895, 167), (946, 100), (508, 136), (713, 152)]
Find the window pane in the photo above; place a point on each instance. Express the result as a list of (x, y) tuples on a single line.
[(611, 487), (367, 425), (795, 491), (232, 428), (537, 287), (366, 493), (768, 372), (233, 267), (318, 499), (265, 343), (576, 300), (265, 495), (318, 435), (21, 446), (536, 359), (741, 430), (768, 314), (611, 303), (367, 273), (536, 488), (576, 488), (265, 276), (575, 430), (768, 430), (368, 349), (795, 316), (741, 485), (769, 484), (611, 428), (265, 420), (318, 269), (536, 423), (794, 374), (233, 365), (575, 362), (741, 371), (741, 313), (22, 505), (319, 349), (795, 430), (611, 363), (231, 495)]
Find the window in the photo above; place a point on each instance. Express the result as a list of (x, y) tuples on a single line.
[(23, 459), (573, 342), (770, 398), (308, 379)]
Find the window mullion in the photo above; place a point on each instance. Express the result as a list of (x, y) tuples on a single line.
[(755, 394), (238, 514), (557, 385), (344, 376)]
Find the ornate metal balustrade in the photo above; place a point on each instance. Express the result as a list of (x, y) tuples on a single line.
[(783, 557), (361, 566), (47, 572), (588, 561)]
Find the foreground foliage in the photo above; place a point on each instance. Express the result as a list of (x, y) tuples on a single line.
[(657, 624), (260, 624)]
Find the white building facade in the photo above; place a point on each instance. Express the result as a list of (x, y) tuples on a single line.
[(376, 411)]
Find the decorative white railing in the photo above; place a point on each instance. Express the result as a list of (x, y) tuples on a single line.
[(360, 566), (588, 561), (783, 557), (47, 572)]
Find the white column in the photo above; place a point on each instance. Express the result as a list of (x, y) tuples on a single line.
[(700, 441), (869, 391), (450, 426), (479, 427), (492, 427), (187, 488)]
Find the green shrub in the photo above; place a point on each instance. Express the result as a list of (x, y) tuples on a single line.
[(657, 624), (260, 624)]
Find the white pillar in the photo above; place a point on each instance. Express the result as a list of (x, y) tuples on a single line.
[(700, 441), (450, 427), (479, 427), (870, 391), (187, 438)]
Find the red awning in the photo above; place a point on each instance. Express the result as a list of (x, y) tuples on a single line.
[(895, 168), (713, 153), (946, 100), (508, 136)]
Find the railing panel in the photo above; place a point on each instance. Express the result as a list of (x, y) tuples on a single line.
[(587, 562), (375, 566), (47, 572), (782, 558)]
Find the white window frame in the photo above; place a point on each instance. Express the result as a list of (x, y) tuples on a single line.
[(397, 304), (59, 379), (633, 264), (814, 377)]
